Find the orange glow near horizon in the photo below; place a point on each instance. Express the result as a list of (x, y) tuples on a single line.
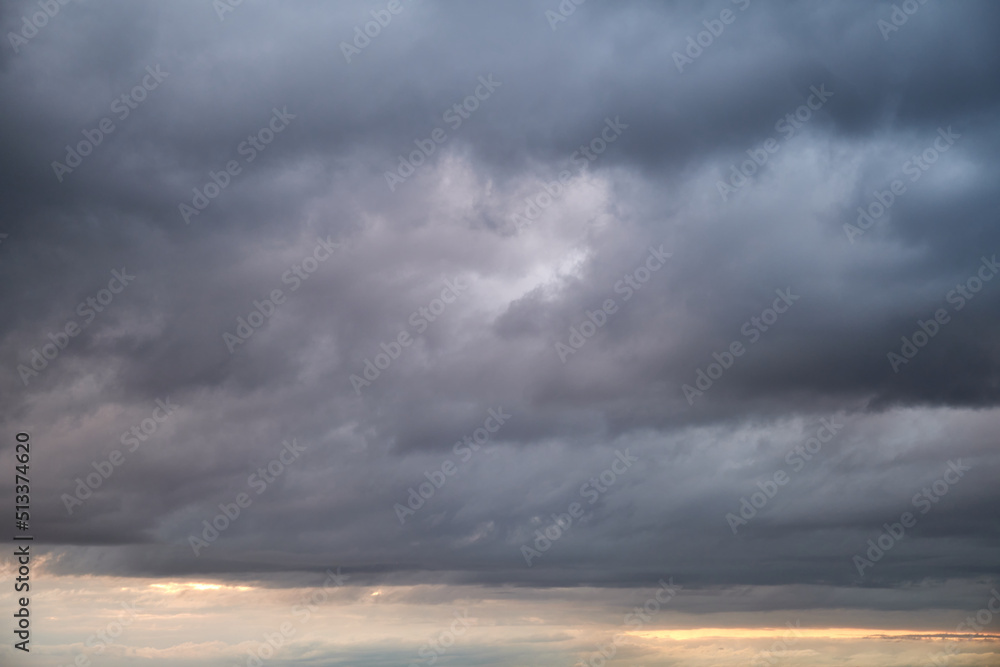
[(176, 587), (796, 633)]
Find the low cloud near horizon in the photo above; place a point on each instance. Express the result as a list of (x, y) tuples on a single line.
[(500, 307)]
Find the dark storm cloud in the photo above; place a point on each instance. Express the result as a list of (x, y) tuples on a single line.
[(323, 177)]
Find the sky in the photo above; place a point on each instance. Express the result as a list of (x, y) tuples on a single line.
[(427, 332)]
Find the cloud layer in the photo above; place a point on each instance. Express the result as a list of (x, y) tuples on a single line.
[(588, 229)]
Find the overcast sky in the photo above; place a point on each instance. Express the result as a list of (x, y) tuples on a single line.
[(527, 306)]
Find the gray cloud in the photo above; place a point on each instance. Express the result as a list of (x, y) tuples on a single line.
[(495, 346)]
